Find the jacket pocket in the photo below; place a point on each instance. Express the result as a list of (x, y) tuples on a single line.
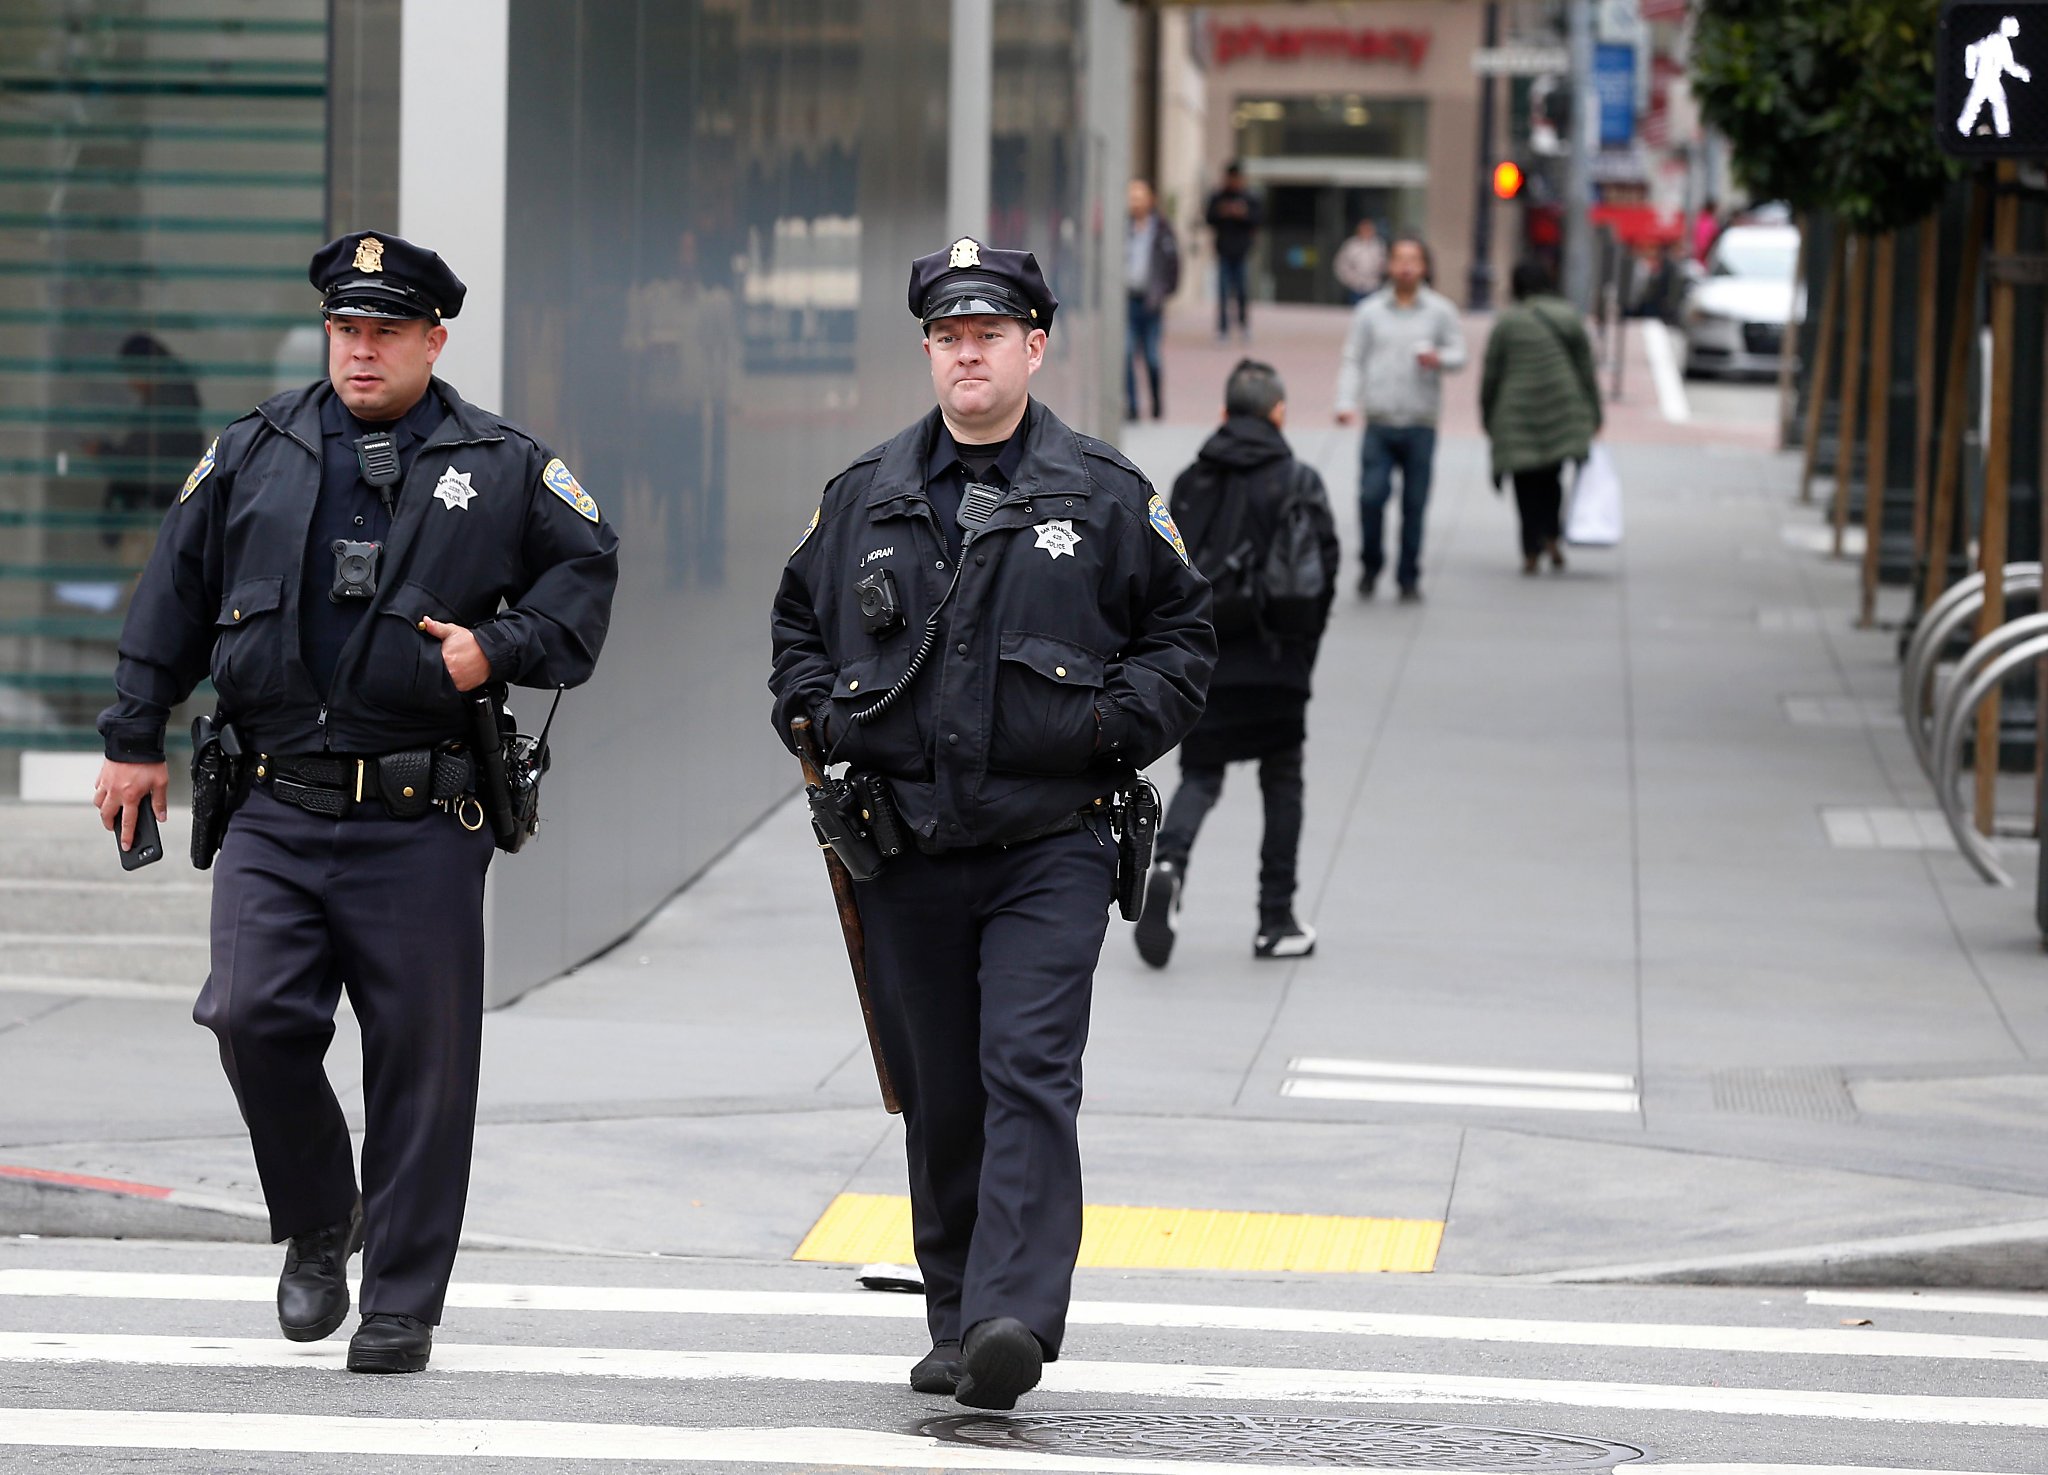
[(892, 743), (1046, 691), (402, 668), (250, 646)]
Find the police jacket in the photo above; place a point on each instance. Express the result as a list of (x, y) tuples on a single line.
[(525, 560), (1075, 648)]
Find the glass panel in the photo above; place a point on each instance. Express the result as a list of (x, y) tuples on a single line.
[(161, 180)]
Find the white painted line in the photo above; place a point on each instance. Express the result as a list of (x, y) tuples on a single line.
[(1671, 401), (1515, 1098), (1471, 1075), (1125, 1379), (673, 1301), (536, 1439), (1979, 1304), (1793, 1258)]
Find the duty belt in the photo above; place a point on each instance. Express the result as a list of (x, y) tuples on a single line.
[(405, 784), (1066, 824)]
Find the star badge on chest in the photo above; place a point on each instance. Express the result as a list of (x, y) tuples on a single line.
[(1058, 537), (454, 489)]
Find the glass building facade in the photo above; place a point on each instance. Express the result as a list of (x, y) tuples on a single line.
[(687, 228), (162, 183)]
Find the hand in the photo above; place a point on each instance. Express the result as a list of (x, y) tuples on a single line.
[(1429, 358), (1347, 417), (123, 788), (468, 666)]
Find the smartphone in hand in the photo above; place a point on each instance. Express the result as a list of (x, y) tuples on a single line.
[(149, 842)]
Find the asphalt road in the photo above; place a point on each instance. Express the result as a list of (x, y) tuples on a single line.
[(762, 1366)]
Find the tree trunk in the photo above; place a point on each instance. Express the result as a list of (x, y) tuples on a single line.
[(1856, 316), (1823, 362), (1955, 408), (1877, 447)]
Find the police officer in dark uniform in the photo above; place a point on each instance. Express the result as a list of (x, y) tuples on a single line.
[(997, 615), (348, 561)]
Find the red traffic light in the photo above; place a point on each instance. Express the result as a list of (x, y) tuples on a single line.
[(1507, 179)]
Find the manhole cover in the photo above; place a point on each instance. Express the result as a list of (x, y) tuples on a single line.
[(1282, 1439)]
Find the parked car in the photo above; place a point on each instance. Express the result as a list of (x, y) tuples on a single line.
[(1735, 311)]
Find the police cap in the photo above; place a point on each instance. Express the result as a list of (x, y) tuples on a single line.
[(968, 279), (374, 275)]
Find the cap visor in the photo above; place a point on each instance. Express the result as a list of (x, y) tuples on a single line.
[(974, 304), (375, 300)]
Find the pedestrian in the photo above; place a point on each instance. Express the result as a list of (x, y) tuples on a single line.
[(1151, 275), (1540, 401), (1232, 505), (1361, 263), (997, 617), (351, 561), (1403, 340), (1706, 228), (1234, 216)]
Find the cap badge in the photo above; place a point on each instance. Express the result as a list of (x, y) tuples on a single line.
[(369, 254), (454, 489), (1058, 537), (966, 252)]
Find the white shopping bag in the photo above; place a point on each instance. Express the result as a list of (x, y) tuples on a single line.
[(1595, 519)]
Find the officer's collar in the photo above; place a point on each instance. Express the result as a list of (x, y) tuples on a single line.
[(945, 451), (298, 414), (414, 426), (1049, 456)]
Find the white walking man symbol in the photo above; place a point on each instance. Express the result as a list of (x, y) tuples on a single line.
[(1987, 63)]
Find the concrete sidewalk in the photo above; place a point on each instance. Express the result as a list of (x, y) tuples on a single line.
[(1601, 824)]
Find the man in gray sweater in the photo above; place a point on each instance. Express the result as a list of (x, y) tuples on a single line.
[(1404, 338)]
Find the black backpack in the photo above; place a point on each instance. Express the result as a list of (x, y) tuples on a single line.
[(1279, 590)]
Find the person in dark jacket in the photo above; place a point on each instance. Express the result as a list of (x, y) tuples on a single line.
[(1540, 400), (1151, 275), (1229, 504), (1234, 217), (1050, 638), (350, 562)]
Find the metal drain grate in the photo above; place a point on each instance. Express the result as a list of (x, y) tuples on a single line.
[(1810, 1093), (1283, 1440)]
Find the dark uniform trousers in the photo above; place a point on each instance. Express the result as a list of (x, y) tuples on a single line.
[(392, 910), (982, 963)]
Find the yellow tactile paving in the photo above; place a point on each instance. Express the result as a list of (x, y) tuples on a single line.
[(860, 1227)]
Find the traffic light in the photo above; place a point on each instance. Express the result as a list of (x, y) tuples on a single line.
[(1507, 179)]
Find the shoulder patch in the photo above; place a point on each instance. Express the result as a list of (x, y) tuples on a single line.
[(203, 470), (809, 528), (556, 478), (1162, 524)]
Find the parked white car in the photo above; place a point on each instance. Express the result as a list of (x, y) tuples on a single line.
[(1735, 313)]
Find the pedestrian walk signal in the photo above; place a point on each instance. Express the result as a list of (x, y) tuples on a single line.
[(1991, 78), (1507, 179)]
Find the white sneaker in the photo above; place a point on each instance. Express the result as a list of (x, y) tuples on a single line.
[(1291, 940)]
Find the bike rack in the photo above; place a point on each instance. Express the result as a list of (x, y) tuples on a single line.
[(1938, 624), (1984, 669)]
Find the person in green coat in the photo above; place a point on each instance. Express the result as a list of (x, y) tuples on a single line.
[(1540, 401)]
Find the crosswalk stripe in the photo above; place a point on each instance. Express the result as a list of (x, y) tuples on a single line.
[(489, 1296), (1977, 1304), (535, 1439), (1128, 1379), (552, 1440)]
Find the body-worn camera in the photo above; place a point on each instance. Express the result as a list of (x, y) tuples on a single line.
[(355, 570), (881, 607)]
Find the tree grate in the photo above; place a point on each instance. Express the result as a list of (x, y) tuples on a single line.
[(1282, 1440), (1808, 1093)]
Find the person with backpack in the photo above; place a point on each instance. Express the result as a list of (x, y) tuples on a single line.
[(1257, 525), (1540, 401)]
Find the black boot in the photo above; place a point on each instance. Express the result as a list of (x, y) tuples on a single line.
[(389, 1343), (939, 1370), (1004, 1359), (312, 1294)]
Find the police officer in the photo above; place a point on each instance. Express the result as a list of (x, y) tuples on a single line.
[(347, 561), (998, 616)]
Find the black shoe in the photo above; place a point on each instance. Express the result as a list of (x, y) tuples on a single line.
[(1280, 936), (939, 1370), (1004, 1361), (1367, 583), (1154, 932), (1411, 594), (389, 1343), (312, 1293)]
